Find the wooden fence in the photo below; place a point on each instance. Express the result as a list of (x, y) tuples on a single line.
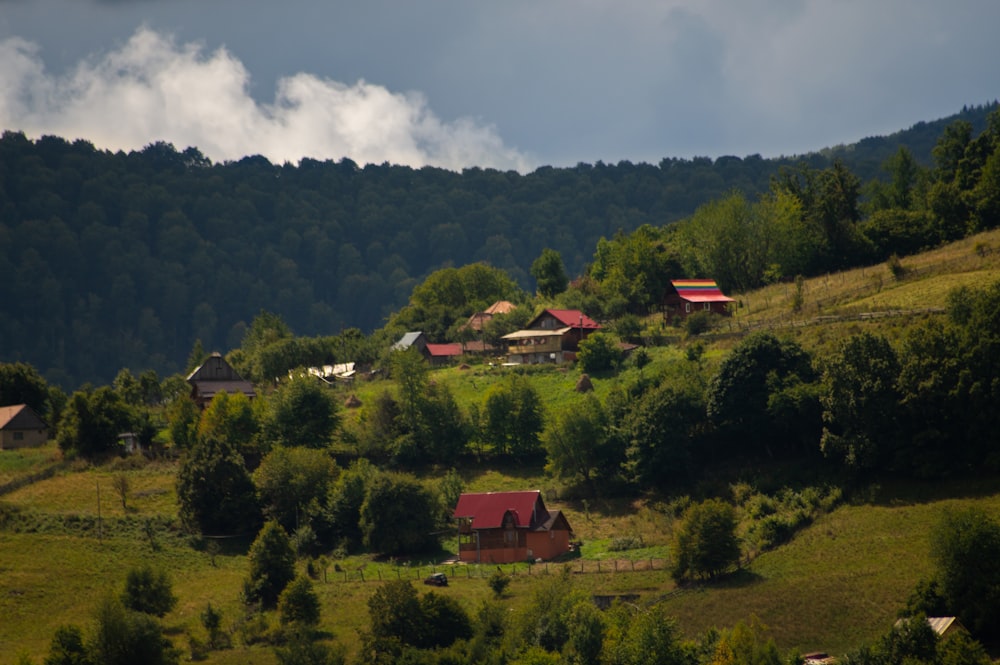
[(460, 571)]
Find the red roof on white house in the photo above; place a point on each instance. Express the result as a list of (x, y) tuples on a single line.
[(487, 509), (699, 290)]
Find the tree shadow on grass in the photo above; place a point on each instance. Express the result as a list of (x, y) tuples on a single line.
[(738, 579)]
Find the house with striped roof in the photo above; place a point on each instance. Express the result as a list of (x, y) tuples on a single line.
[(685, 296)]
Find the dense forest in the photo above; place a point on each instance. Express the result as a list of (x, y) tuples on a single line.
[(114, 260)]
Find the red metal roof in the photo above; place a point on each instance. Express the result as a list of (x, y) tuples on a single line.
[(488, 508), (699, 290), (571, 318), (444, 350)]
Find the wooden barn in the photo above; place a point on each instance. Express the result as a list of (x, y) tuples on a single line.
[(504, 527), (215, 376), (685, 296)]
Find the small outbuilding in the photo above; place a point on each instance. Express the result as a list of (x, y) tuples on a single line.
[(942, 626)]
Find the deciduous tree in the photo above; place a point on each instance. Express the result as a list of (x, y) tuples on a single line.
[(214, 491), (706, 540), (272, 565), (148, 590), (549, 273)]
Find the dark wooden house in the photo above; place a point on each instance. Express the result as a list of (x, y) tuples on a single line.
[(215, 376)]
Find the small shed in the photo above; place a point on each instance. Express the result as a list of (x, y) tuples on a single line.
[(942, 626), (442, 354), (412, 340)]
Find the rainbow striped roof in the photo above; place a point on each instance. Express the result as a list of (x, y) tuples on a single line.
[(699, 290)]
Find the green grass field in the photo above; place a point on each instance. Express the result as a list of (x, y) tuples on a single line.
[(65, 538), (836, 585)]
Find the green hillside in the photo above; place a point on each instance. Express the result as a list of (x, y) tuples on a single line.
[(66, 538)]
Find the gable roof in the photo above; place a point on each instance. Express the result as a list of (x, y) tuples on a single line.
[(407, 340), (444, 350), (215, 368), (500, 307), (487, 509), (940, 625), (20, 416), (479, 319), (699, 290), (216, 376), (569, 318)]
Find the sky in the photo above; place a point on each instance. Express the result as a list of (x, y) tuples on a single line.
[(510, 84)]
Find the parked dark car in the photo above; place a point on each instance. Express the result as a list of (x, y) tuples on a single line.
[(436, 579)]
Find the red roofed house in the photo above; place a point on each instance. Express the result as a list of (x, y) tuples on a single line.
[(215, 376), (504, 527), (685, 296), (551, 337), (21, 427)]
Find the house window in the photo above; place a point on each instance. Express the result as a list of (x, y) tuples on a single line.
[(19, 436), (687, 307), (708, 307), (510, 537)]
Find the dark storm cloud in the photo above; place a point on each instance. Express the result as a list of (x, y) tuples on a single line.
[(560, 80)]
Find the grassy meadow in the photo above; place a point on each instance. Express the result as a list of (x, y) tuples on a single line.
[(66, 539)]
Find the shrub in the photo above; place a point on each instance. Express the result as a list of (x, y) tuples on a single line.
[(697, 323), (298, 603), (498, 581), (706, 541), (149, 591)]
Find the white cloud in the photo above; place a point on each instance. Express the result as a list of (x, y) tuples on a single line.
[(153, 89)]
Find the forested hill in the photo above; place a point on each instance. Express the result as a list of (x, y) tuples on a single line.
[(112, 260)]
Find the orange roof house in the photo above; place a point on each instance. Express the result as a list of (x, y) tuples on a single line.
[(21, 427), (479, 319), (685, 296), (504, 527)]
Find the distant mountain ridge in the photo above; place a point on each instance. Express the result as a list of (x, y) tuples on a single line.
[(115, 260)]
